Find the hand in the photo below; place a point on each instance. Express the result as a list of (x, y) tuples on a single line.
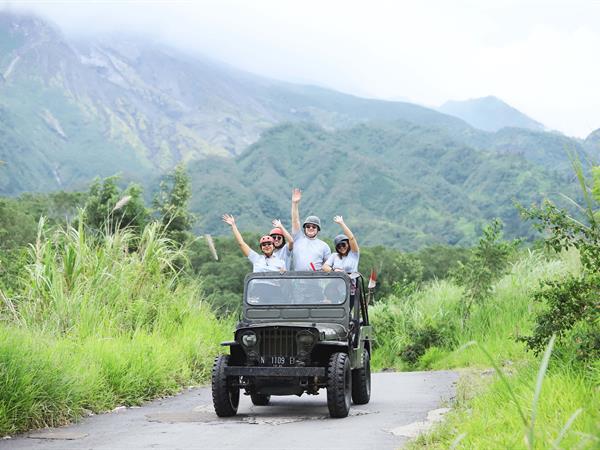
[(277, 224), (282, 271), (296, 195), (228, 219), (338, 219)]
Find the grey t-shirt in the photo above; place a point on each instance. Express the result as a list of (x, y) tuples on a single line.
[(260, 263), (285, 254), (308, 251), (348, 263)]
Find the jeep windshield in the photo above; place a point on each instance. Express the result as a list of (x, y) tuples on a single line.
[(296, 291)]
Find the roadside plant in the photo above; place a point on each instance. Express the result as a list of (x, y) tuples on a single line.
[(486, 264), (571, 306)]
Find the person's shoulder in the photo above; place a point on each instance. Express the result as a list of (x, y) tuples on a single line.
[(253, 256)]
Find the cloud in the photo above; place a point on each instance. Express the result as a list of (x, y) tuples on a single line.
[(538, 56)]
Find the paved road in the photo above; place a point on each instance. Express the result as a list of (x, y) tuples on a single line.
[(188, 421)]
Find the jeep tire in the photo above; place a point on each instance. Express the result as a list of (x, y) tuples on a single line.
[(339, 385), (226, 397), (260, 399), (361, 381)]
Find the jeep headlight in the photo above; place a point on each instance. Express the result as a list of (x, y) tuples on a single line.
[(249, 339), (306, 339)]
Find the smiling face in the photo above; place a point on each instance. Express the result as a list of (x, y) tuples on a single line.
[(311, 230), (343, 248), (278, 240), (267, 248)]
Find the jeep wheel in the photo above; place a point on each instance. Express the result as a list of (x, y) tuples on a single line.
[(339, 385), (260, 399), (361, 381), (226, 397)]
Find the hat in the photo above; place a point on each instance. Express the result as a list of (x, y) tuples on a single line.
[(313, 220)]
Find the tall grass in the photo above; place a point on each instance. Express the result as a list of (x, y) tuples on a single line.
[(561, 412), (100, 321)]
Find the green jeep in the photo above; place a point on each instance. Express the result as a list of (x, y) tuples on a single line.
[(299, 333)]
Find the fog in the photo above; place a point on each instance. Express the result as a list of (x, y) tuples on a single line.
[(540, 57)]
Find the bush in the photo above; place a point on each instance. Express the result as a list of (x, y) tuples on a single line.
[(571, 306)]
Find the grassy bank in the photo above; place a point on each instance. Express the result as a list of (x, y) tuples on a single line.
[(100, 321), (427, 330)]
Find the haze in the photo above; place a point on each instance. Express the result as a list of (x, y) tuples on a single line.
[(540, 57)]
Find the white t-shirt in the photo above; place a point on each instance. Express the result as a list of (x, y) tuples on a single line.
[(285, 254), (307, 250), (260, 263), (348, 263)]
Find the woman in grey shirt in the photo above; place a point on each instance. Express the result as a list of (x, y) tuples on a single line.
[(345, 258)]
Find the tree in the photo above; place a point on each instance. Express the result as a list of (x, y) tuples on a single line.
[(109, 208), (172, 202)]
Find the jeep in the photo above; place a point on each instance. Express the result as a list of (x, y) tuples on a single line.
[(299, 332)]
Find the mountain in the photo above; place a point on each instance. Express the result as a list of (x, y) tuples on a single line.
[(397, 184), (489, 114), (74, 110)]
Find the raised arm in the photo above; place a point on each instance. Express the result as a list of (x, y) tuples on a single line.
[(229, 220), (351, 239), (296, 197), (288, 237)]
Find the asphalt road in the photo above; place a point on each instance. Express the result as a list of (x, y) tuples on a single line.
[(400, 403)]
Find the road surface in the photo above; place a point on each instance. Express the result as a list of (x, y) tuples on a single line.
[(400, 404)]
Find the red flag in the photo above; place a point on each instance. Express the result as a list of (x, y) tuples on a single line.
[(372, 279)]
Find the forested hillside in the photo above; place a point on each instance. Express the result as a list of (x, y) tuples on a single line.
[(398, 184)]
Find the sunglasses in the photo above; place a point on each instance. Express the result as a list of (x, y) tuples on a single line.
[(310, 225), (264, 244), (277, 237), (342, 245)]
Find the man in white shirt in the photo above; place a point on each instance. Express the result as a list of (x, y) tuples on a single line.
[(309, 252)]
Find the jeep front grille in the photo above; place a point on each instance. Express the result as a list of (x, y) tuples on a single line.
[(277, 341)]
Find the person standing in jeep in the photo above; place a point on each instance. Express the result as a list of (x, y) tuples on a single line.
[(267, 262), (283, 243), (309, 253)]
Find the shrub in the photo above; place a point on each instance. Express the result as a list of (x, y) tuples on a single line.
[(571, 305)]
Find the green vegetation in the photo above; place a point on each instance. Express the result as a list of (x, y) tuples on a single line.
[(101, 312), (398, 185), (95, 325), (545, 298)]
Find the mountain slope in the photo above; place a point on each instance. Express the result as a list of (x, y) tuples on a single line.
[(489, 114), (77, 110), (397, 184)]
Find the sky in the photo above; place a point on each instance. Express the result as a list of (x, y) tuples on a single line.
[(541, 57)]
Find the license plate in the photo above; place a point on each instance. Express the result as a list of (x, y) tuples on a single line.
[(278, 360)]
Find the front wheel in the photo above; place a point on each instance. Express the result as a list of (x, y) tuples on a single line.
[(226, 396), (339, 385), (361, 381)]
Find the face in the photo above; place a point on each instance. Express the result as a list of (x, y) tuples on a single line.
[(278, 240), (267, 248), (342, 248), (311, 230)]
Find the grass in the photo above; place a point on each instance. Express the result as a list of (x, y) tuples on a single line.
[(498, 411), (100, 322)]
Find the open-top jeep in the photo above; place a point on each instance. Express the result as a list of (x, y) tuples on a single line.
[(299, 333)]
